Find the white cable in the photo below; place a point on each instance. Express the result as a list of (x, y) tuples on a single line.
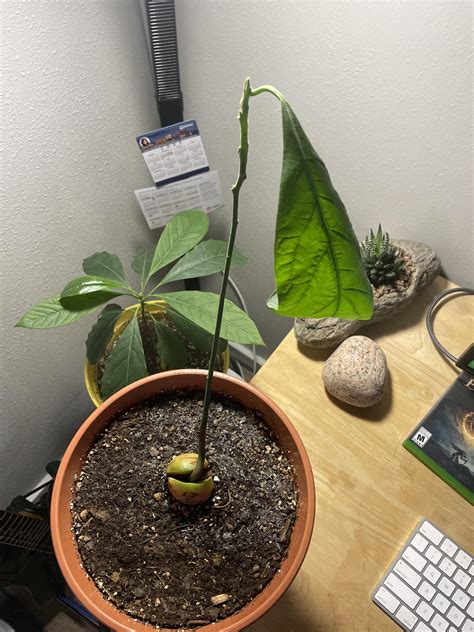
[(244, 307), (239, 367)]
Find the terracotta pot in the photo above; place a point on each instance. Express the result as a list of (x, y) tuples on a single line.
[(91, 371), (61, 520)]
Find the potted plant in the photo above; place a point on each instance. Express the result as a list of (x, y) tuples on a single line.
[(397, 270), (165, 521), (160, 331)]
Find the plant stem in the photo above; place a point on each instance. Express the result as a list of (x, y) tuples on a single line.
[(149, 348), (243, 154)]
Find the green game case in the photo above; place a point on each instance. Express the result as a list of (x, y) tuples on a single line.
[(444, 440)]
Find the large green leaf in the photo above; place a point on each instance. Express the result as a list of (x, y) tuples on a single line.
[(182, 233), (141, 263), (201, 308), (101, 332), (126, 363), (171, 348), (206, 258), (105, 265), (89, 291), (318, 265), (197, 336), (50, 313)]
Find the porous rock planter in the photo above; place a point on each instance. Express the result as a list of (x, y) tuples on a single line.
[(330, 332), (288, 440)]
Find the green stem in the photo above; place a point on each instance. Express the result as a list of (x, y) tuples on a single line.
[(243, 154)]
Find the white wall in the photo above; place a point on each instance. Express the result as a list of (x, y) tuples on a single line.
[(76, 90), (384, 90)]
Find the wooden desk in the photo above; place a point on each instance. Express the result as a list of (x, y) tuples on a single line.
[(370, 491)]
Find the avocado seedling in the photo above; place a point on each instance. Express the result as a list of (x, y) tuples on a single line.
[(318, 265)]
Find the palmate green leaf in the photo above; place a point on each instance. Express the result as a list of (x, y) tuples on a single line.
[(141, 263), (201, 308), (106, 266), (197, 336), (101, 333), (206, 258), (182, 233), (126, 363), (50, 313), (171, 348), (90, 291), (318, 265)]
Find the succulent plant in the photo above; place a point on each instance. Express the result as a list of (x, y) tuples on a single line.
[(382, 261)]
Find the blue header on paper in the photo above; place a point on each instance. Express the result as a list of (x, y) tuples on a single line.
[(167, 135)]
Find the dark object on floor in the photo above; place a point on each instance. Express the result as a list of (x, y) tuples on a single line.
[(15, 615)]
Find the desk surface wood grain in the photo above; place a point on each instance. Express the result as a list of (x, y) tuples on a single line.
[(370, 491)]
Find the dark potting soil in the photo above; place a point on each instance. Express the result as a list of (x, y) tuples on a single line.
[(169, 564)]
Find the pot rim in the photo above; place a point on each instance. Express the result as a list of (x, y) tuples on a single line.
[(61, 522)]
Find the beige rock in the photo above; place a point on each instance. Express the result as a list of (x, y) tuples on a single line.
[(356, 373), (329, 332)]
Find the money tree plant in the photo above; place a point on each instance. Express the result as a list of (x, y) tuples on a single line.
[(148, 344), (317, 261)]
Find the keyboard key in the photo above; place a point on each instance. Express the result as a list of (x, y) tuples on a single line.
[(461, 578), (440, 603), (406, 617), (421, 627), (431, 532), (432, 574), (455, 615), (401, 590), (430, 586), (414, 558), (439, 623), (447, 566), (460, 598), (446, 586), (463, 559), (433, 554), (426, 590), (419, 542), (407, 573), (449, 547), (386, 598), (425, 611)]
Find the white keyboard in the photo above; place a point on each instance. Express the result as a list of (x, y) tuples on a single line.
[(430, 585)]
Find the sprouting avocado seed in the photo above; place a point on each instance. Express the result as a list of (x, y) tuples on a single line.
[(184, 464), (178, 472), (191, 493)]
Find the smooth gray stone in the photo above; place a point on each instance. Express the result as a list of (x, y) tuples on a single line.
[(356, 373), (329, 332)]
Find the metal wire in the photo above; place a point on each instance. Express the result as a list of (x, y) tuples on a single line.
[(244, 307), (435, 303)]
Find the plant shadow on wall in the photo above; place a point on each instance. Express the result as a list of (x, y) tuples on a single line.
[(184, 478)]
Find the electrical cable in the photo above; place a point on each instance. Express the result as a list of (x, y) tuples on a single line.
[(244, 307), (435, 303)]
